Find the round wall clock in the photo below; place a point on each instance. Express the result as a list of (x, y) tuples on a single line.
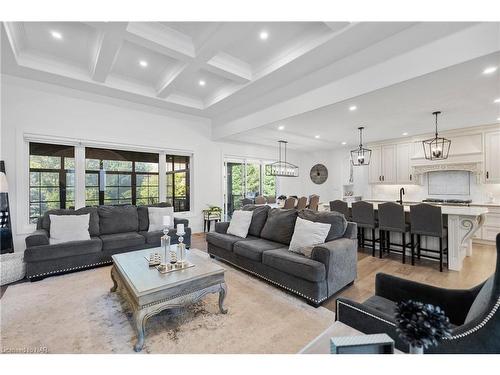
[(319, 174)]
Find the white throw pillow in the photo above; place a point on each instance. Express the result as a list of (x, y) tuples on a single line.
[(65, 228), (156, 217), (306, 234), (240, 222)]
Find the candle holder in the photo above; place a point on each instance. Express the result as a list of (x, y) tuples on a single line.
[(165, 244), (182, 248)]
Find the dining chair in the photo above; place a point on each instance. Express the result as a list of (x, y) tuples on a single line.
[(260, 200), (302, 203), (289, 203), (313, 202)]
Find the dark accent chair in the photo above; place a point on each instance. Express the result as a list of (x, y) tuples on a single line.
[(472, 312), (341, 207), (363, 214), (427, 220), (391, 218), (113, 230)]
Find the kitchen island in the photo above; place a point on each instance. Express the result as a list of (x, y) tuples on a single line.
[(462, 223)]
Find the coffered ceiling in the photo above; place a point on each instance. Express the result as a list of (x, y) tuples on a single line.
[(246, 77)]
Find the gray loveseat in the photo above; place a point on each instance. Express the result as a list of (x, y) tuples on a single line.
[(113, 229), (264, 252)]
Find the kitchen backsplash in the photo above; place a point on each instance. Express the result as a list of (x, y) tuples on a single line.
[(479, 193)]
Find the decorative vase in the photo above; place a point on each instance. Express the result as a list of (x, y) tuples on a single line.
[(416, 349)]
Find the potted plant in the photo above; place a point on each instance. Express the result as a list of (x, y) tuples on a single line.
[(421, 325), (212, 211)]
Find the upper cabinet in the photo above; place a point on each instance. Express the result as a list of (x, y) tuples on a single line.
[(383, 165), (492, 157), (403, 158)]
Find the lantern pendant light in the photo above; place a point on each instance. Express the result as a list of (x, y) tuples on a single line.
[(361, 156), (436, 148)]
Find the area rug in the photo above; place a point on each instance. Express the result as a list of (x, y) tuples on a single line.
[(76, 313)]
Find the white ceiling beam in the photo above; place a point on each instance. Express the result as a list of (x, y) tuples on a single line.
[(161, 39), (230, 67), (167, 84), (336, 26), (108, 44), (465, 45), (15, 35)]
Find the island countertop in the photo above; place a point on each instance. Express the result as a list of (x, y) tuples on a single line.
[(446, 210)]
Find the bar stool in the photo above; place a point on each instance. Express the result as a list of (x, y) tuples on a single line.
[(341, 207), (427, 220), (391, 218), (363, 215)]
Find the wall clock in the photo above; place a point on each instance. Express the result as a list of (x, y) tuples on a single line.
[(319, 174)]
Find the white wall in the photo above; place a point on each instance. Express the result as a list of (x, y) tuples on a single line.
[(50, 111)]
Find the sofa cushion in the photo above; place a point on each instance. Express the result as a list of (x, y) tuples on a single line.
[(62, 250), (143, 215), (239, 224), (253, 249), (118, 219), (44, 221), (307, 234), (121, 240), (68, 228), (225, 241), (385, 306), (295, 264), (336, 220), (279, 225), (481, 302), (259, 218)]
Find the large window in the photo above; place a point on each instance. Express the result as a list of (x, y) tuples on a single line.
[(52, 178), (120, 177), (178, 187)]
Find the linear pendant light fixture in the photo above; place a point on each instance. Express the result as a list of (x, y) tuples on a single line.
[(436, 148), (361, 156), (282, 168)]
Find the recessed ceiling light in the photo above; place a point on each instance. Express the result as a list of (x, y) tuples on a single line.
[(405, 133), (143, 63), (490, 69), (343, 143), (264, 35), (352, 108), (497, 100), (202, 82), (316, 136), (281, 127), (56, 34), (498, 118)]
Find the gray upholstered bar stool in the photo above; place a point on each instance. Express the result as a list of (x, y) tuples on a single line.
[(427, 220), (363, 215), (391, 218), (341, 207)]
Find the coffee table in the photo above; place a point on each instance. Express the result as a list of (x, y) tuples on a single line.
[(149, 292)]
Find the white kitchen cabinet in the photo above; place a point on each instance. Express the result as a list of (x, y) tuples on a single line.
[(403, 163), (375, 166), (389, 164), (492, 157)]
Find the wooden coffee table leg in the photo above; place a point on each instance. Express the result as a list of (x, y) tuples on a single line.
[(113, 277), (222, 297)]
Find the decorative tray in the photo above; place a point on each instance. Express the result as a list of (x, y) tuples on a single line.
[(175, 267)]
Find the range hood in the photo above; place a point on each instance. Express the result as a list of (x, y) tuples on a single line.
[(474, 167)]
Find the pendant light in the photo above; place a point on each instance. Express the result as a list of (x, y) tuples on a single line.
[(361, 156), (282, 168), (436, 148)]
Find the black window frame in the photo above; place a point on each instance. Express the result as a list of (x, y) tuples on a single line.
[(52, 150), (134, 157), (180, 204)]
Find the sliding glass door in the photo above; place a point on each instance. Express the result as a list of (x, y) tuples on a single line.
[(245, 179)]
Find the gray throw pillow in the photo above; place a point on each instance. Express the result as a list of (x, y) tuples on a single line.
[(118, 219), (279, 225), (259, 218), (336, 220)]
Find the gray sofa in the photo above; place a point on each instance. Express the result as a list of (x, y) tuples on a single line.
[(264, 252), (113, 229)]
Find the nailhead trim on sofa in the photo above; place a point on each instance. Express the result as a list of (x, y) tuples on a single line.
[(274, 282), (363, 312), (70, 269)]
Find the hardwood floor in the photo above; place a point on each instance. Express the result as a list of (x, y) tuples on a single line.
[(476, 269)]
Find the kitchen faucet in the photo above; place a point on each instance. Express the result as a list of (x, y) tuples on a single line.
[(401, 193)]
